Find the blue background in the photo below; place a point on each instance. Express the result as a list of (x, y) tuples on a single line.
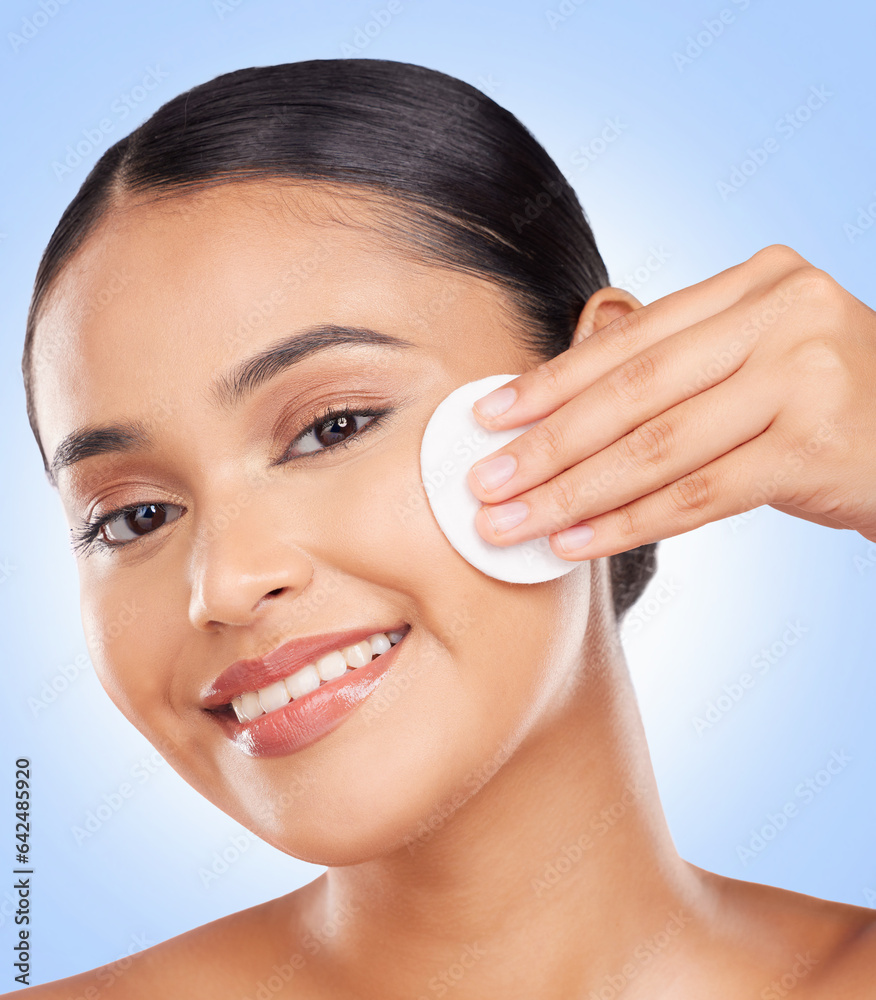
[(683, 113)]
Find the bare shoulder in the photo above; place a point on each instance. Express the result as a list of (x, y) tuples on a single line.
[(229, 957), (819, 947), (852, 973)]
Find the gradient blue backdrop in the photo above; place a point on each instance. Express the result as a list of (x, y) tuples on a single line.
[(646, 107)]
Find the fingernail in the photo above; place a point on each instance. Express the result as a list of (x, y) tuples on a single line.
[(496, 402), (575, 537), (507, 515), (495, 473)]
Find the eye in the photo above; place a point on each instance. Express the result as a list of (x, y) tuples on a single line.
[(133, 522), (123, 525), (331, 429)]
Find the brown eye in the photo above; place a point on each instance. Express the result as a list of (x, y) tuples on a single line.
[(335, 428), (139, 521)]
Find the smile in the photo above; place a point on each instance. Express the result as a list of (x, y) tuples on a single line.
[(301, 704), (253, 704)]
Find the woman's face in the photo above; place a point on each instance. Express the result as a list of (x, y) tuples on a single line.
[(272, 531)]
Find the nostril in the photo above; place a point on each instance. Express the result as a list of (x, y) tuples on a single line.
[(275, 593)]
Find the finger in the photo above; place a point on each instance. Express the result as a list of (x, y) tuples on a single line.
[(727, 486), (620, 400), (670, 446), (552, 383)]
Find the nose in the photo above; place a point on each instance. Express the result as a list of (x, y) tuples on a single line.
[(239, 566)]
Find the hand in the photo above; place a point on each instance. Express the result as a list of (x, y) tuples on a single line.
[(755, 386)]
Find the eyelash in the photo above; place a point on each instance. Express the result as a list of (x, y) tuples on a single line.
[(86, 536)]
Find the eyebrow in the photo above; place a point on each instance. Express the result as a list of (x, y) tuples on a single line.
[(228, 389)]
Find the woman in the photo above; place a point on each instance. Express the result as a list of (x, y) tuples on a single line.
[(238, 333)]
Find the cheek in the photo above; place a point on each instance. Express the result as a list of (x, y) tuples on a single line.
[(500, 646), (125, 621)]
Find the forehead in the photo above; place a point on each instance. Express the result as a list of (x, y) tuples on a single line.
[(165, 294)]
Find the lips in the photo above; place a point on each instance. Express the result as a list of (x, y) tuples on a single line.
[(305, 720), (258, 672)]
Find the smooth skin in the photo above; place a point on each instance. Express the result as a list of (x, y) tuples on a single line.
[(510, 732)]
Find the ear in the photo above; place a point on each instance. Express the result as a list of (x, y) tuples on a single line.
[(601, 308)]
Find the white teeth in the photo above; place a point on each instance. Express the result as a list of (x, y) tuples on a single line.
[(331, 665), (273, 696), (380, 643), (251, 705), (357, 655), (303, 681)]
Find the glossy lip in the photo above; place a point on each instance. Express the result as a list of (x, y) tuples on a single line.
[(307, 719), (259, 672)]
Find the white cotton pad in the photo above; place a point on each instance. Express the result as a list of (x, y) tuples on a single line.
[(452, 442)]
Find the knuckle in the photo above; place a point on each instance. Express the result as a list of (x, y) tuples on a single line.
[(622, 333), (808, 282), (547, 440), (563, 496), (631, 381), (548, 373), (650, 443), (819, 357), (778, 256), (691, 493), (627, 522)]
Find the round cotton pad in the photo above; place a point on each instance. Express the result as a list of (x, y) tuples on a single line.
[(452, 442)]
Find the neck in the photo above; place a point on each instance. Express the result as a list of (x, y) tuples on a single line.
[(565, 844)]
